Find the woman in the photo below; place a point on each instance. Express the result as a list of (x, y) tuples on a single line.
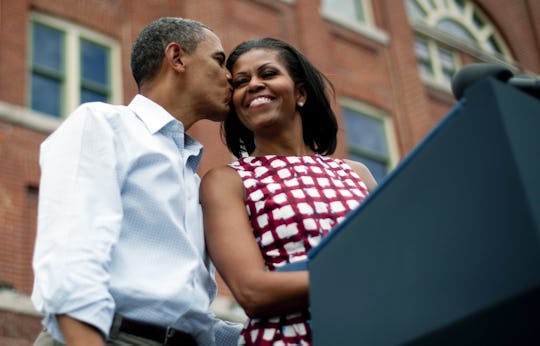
[(283, 195)]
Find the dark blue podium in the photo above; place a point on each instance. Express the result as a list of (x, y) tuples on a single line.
[(446, 251)]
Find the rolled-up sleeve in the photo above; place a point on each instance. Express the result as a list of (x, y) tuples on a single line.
[(79, 221)]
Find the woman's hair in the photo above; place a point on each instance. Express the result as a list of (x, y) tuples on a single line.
[(149, 48), (318, 119)]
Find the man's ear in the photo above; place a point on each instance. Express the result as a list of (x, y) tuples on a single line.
[(174, 55)]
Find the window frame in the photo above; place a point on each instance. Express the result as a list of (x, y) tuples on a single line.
[(366, 27), (467, 15), (368, 110), (486, 43), (436, 76), (72, 70)]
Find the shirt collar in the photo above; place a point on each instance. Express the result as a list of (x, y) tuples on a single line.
[(155, 118), (151, 114)]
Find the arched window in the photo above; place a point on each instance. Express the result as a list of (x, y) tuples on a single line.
[(446, 29)]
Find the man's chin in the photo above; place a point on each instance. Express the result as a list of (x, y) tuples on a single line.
[(220, 114)]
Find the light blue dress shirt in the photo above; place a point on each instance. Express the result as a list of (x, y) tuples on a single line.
[(120, 224)]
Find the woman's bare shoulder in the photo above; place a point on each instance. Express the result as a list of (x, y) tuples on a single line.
[(363, 172)]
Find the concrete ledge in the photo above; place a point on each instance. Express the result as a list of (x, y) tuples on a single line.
[(23, 116), (17, 302)]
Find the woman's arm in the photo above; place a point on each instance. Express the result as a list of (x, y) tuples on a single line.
[(364, 173), (236, 254)]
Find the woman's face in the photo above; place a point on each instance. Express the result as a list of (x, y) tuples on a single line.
[(264, 94)]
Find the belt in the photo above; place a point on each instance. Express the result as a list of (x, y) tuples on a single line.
[(166, 335)]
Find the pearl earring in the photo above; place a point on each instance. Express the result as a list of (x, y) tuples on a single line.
[(300, 104)]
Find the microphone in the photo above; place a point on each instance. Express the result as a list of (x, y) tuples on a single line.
[(473, 73)]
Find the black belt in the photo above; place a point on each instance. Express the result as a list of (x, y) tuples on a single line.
[(165, 335)]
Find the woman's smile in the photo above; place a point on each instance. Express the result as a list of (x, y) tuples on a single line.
[(259, 101)]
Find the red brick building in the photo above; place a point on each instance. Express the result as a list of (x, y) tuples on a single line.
[(391, 62)]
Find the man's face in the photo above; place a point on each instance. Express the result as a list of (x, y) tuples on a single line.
[(208, 79)]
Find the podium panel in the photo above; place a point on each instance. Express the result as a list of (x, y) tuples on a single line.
[(446, 251)]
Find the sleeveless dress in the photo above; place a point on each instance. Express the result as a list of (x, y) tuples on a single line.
[(292, 202)]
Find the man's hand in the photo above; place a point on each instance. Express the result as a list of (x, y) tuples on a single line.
[(77, 333)]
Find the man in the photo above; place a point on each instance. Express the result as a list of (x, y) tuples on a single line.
[(120, 254)]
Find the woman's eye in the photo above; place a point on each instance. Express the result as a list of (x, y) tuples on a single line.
[(239, 82), (268, 73)]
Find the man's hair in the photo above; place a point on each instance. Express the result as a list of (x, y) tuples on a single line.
[(319, 122), (149, 48)]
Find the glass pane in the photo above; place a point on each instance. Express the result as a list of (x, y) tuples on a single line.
[(448, 76), (90, 96), (478, 22), (47, 47), (460, 4), (378, 169), (46, 95), (95, 61), (447, 59), (455, 30), (347, 9), (360, 15), (421, 49), (365, 132), (425, 69), (493, 45), (414, 11)]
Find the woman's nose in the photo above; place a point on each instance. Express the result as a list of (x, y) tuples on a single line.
[(255, 84)]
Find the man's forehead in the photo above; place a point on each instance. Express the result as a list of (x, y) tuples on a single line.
[(212, 40)]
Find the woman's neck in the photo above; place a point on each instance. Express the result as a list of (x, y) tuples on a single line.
[(281, 150)]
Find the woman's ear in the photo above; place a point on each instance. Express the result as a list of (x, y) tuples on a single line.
[(174, 55), (301, 95)]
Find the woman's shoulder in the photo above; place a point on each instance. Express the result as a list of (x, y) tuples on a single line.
[(222, 180), (218, 173), (363, 172)]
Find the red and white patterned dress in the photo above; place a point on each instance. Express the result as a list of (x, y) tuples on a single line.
[(292, 202)]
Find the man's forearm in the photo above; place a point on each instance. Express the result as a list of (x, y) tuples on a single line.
[(77, 333)]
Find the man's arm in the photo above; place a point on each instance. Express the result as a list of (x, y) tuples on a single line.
[(79, 221), (77, 333)]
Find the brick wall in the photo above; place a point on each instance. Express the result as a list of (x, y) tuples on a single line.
[(19, 180)]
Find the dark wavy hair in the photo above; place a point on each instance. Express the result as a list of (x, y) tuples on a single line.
[(318, 119), (149, 48)]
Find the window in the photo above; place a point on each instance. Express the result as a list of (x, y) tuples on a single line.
[(353, 11), (47, 69), (435, 62), (370, 137), (355, 15), (70, 65), (445, 28)]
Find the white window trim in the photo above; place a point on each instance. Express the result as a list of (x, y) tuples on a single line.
[(74, 32), (28, 118), (438, 81), (367, 29), (429, 33), (389, 129), (437, 11)]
